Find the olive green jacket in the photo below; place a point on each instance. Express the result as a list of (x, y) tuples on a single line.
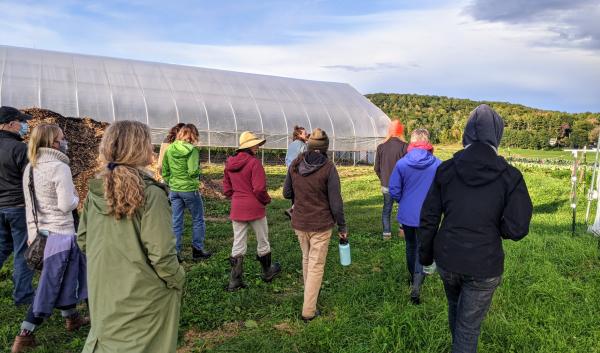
[(134, 279)]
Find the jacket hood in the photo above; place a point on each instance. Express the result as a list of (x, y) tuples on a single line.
[(311, 162), (484, 125), (236, 162), (419, 158), (478, 164), (181, 149)]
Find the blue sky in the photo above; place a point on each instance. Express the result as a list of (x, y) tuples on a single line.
[(541, 53)]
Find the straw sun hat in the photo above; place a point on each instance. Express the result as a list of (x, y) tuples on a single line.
[(248, 139)]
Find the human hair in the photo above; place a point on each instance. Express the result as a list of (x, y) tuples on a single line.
[(170, 138), (395, 129), (125, 149), (297, 132), (188, 133), (419, 135), (43, 135)]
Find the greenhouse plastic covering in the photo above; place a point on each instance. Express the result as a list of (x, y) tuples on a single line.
[(222, 104)]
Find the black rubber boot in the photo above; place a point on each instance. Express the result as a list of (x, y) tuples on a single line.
[(269, 271), (415, 291), (237, 271), (200, 254)]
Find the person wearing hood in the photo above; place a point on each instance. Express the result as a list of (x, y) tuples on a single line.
[(319, 206), (388, 153), (181, 171), (134, 279), (13, 227), (409, 183), (480, 199), (245, 184)]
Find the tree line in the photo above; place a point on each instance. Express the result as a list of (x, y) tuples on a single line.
[(525, 127)]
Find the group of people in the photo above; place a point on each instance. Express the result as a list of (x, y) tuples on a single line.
[(124, 257), (455, 213)]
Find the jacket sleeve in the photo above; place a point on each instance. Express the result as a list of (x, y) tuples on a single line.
[(82, 229), (395, 185), (517, 212), (31, 231), (65, 190), (259, 183), (193, 164), (431, 214), (288, 188), (227, 189), (336, 204), (158, 239), (21, 158), (166, 169), (377, 164)]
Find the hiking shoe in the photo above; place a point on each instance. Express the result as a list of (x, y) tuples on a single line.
[(200, 254), (75, 322), (23, 343)]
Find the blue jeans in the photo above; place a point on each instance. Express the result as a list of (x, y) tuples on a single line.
[(13, 239), (469, 299), (412, 250), (386, 212), (193, 202)]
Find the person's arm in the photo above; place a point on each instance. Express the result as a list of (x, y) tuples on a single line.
[(193, 164), (431, 214), (517, 212), (21, 158), (395, 185), (288, 188), (377, 164), (227, 189), (82, 229), (336, 204), (158, 239), (31, 229), (65, 190), (166, 168), (259, 183)]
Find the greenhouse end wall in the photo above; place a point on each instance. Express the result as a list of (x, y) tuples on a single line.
[(222, 104)]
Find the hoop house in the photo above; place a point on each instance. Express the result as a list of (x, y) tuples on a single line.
[(220, 103)]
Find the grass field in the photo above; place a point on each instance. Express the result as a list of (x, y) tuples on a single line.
[(548, 301)]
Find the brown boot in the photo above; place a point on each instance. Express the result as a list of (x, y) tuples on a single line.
[(23, 343), (75, 322)]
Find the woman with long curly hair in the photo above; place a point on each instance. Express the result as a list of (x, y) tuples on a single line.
[(135, 280)]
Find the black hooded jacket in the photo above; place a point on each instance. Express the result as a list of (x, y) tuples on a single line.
[(13, 159), (482, 199)]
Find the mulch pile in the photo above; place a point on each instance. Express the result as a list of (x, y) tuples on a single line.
[(84, 136)]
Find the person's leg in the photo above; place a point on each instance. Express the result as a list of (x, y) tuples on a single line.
[(22, 275), (6, 240), (240, 238), (452, 287), (304, 241), (386, 213), (473, 305), (261, 229), (193, 202), (178, 206), (410, 236), (319, 245), (26, 339)]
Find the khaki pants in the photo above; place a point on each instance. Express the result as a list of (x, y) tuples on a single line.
[(314, 247), (240, 237)]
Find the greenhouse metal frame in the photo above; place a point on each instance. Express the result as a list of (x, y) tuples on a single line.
[(222, 104)]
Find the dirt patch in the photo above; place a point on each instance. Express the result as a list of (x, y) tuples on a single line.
[(286, 328), (194, 339)]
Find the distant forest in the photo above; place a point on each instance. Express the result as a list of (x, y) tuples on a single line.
[(525, 127)]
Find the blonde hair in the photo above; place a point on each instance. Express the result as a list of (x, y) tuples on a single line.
[(43, 135), (125, 149), (419, 135), (188, 133)]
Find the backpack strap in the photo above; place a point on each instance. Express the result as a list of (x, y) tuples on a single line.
[(33, 199)]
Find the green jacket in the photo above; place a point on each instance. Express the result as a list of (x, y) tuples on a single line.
[(134, 279), (181, 167)]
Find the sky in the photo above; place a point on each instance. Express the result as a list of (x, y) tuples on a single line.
[(540, 53)]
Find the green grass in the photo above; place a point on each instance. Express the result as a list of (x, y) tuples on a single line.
[(548, 300)]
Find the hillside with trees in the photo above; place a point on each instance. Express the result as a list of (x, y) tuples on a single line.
[(525, 127)]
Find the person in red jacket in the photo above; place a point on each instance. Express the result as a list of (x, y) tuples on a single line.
[(245, 184)]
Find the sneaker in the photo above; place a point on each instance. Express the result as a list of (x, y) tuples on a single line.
[(200, 254), (387, 236)]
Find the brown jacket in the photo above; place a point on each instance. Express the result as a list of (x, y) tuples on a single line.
[(314, 184), (388, 153)]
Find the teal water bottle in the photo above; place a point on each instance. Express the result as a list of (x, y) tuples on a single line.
[(345, 258)]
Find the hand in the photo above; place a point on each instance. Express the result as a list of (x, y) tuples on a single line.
[(343, 235), (29, 242)]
